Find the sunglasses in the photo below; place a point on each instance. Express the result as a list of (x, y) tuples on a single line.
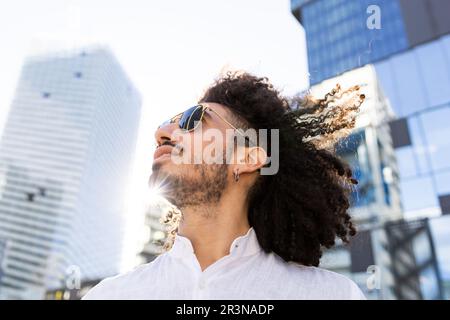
[(190, 119)]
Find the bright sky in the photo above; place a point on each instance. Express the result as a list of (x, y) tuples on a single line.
[(171, 50)]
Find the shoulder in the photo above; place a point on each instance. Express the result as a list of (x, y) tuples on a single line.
[(125, 284), (325, 284), (317, 283)]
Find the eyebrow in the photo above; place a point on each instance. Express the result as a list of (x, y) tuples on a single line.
[(207, 113), (221, 117)]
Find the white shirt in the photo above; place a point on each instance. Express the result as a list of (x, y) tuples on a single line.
[(246, 273)]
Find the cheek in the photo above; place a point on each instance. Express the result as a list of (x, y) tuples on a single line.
[(202, 152), (207, 148)]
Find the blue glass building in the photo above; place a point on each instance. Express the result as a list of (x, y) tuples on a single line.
[(341, 35), (410, 54)]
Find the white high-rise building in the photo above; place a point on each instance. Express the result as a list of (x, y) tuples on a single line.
[(65, 158), (376, 199)]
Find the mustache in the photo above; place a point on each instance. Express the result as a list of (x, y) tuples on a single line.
[(168, 143), (178, 147)]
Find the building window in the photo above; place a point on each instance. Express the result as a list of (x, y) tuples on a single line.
[(30, 197), (400, 133), (361, 253), (353, 150), (42, 191), (437, 131), (444, 203)]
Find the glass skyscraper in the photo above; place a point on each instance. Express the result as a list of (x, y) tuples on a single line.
[(417, 83), (65, 156), (341, 34), (376, 199), (410, 55)]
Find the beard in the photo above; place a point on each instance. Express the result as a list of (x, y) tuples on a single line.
[(202, 184)]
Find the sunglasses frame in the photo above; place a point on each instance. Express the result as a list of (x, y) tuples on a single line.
[(204, 108)]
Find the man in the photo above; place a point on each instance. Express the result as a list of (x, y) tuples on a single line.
[(243, 233)]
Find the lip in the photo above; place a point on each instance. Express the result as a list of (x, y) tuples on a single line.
[(161, 151)]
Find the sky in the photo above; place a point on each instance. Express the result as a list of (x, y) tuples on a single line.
[(171, 51)]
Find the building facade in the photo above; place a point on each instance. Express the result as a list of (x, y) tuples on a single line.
[(376, 199), (365, 31), (406, 44), (65, 155)]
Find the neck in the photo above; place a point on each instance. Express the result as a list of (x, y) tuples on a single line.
[(213, 228)]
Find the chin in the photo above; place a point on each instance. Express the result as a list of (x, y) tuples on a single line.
[(162, 173), (159, 164)]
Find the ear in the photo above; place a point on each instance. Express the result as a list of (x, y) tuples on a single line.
[(254, 159)]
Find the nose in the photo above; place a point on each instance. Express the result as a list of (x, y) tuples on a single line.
[(165, 132)]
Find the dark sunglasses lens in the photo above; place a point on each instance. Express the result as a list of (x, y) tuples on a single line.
[(190, 117)]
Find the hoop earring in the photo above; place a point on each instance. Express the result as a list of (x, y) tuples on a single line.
[(236, 175)]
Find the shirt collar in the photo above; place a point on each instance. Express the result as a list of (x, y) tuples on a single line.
[(242, 246)]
